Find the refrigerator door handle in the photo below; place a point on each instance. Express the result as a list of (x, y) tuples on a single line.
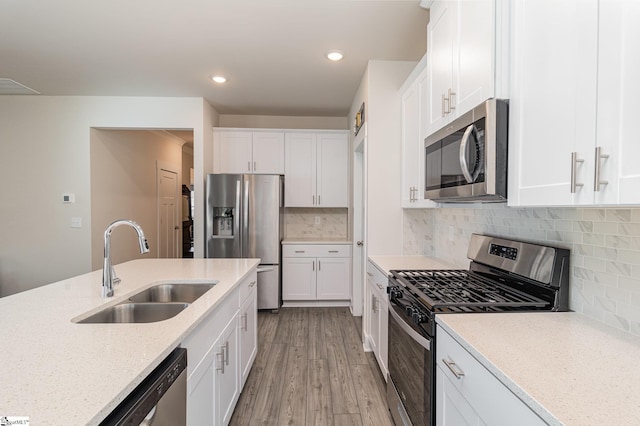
[(236, 224), (266, 269), (245, 219)]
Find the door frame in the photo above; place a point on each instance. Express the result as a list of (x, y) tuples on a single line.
[(161, 165), (359, 222)]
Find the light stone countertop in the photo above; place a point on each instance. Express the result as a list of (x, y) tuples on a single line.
[(568, 368), (314, 241), (59, 372), (388, 263)]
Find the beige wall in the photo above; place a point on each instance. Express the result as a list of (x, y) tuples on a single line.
[(283, 122), (44, 152), (124, 186)]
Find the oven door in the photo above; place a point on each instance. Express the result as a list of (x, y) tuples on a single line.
[(410, 388)]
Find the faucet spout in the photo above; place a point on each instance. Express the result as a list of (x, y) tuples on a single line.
[(108, 274)]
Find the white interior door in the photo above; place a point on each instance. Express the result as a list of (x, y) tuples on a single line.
[(359, 220), (168, 227)]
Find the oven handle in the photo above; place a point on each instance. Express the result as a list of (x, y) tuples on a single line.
[(425, 343)]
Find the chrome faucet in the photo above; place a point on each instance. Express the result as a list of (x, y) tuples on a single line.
[(108, 274)]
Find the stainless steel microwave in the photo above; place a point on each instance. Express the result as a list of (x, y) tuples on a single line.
[(466, 161)]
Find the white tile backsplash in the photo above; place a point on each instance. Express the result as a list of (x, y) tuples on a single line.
[(301, 223), (604, 244)]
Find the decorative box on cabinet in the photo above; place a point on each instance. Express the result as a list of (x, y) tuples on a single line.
[(316, 273), (316, 169), (248, 151), (467, 393), (586, 142), (467, 57)]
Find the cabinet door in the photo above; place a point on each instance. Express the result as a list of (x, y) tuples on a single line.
[(248, 330), (451, 407), (268, 153), (200, 407), (332, 170), (233, 151), (553, 97), (410, 140), (226, 380), (298, 278), (474, 55), (618, 101), (300, 170), (441, 41), (375, 322), (383, 351), (333, 278)]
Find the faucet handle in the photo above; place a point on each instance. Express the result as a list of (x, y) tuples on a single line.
[(114, 277)]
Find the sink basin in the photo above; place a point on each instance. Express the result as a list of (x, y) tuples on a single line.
[(136, 313), (166, 293)]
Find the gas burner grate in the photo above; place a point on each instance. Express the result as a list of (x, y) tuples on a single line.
[(443, 289)]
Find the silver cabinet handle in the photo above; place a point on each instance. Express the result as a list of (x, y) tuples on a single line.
[(444, 110), (574, 165), (451, 106), (380, 286), (299, 251), (313, 265), (333, 251), (318, 265), (254, 166), (599, 157), (314, 200), (454, 368), (370, 274), (252, 283), (249, 166), (374, 307), (462, 154), (318, 200), (245, 322), (226, 353), (221, 355)]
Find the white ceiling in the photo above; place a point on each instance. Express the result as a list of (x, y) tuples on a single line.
[(271, 50)]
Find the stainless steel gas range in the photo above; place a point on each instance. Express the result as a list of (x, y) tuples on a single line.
[(503, 276)]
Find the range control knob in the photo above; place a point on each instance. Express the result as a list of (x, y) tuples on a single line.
[(395, 293), (409, 310), (418, 317)]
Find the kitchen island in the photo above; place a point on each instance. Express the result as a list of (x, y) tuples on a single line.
[(56, 371)]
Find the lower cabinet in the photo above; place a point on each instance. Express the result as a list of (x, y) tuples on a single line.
[(377, 306), (468, 394), (220, 353), (316, 272)]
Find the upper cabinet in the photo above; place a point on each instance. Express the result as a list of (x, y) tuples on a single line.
[(316, 169), (573, 103), (464, 59), (248, 151)]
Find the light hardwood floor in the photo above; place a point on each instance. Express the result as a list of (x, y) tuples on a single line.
[(311, 370)]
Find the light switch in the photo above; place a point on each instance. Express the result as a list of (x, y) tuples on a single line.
[(76, 222), (68, 198), (317, 220)]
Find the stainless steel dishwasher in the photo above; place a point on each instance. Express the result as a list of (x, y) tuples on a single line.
[(161, 399)]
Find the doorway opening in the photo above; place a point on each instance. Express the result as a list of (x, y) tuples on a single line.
[(129, 180)]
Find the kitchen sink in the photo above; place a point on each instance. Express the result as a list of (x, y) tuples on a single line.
[(166, 293), (136, 313)]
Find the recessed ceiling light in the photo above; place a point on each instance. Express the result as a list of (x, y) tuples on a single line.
[(219, 79), (334, 55)]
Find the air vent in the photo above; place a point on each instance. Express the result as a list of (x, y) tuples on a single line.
[(11, 87)]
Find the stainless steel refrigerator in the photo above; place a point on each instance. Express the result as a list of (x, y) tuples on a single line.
[(244, 219)]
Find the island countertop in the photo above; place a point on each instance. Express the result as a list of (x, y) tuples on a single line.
[(56, 371)]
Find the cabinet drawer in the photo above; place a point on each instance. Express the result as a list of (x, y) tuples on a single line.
[(318, 250), (377, 277), (491, 399), (248, 285), (200, 340)]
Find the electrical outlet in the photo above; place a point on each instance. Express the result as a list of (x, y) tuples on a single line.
[(76, 222), (451, 233), (317, 220)]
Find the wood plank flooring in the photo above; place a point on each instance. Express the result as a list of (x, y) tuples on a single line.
[(311, 370)]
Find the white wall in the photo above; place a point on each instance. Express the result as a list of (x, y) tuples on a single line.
[(282, 122), (44, 152), (124, 186), (380, 92)]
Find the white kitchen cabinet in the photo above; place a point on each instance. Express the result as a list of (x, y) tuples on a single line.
[(248, 333), (248, 151), (316, 169), (468, 394), (575, 96), (319, 272), (220, 353), (414, 117), (464, 57), (377, 306)]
